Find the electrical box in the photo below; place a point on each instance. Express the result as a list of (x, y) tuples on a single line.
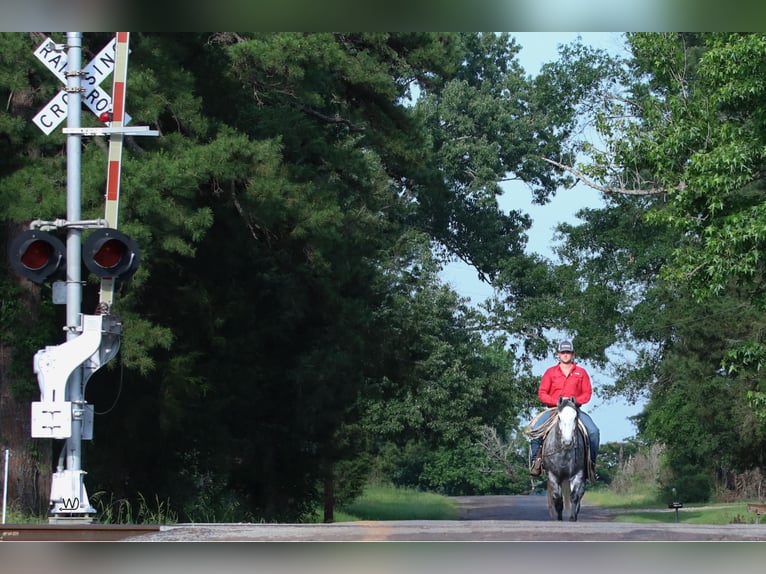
[(51, 419), (87, 422), (59, 292)]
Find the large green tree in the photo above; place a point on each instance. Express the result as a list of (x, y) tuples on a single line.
[(673, 261)]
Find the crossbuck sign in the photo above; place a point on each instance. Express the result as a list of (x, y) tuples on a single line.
[(97, 100)]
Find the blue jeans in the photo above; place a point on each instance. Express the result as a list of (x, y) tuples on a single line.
[(594, 435)]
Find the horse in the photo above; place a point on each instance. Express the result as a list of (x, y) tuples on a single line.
[(565, 458)]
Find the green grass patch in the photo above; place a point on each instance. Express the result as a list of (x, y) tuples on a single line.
[(637, 498), (713, 514), (341, 516), (389, 503), (15, 517), (649, 507)]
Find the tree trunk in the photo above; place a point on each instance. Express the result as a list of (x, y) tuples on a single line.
[(29, 460), (329, 496), (29, 467)]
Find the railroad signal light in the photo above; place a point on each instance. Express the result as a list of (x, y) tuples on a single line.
[(105, 117), (110, 253), (38, 256)]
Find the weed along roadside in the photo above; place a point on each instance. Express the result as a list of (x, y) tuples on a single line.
[(389, 503)]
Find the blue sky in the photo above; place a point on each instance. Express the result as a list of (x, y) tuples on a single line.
[(537, 48)]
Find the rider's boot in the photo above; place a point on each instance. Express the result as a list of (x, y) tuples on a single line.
[(537, 466)]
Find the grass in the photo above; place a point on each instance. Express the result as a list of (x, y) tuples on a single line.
[(389, 503), (112, 511), (121, 511), (646, 506), (15, 517), (637, 498), (713, 514)]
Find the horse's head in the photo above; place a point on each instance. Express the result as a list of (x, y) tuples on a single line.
[(567, 419), (567, 401)]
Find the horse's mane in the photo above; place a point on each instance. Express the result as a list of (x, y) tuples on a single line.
[(550, 423)]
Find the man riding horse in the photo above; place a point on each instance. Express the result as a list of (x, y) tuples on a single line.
[(566, 379)]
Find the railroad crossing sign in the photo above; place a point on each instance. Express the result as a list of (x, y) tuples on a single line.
[(54, 57), (92, 340)]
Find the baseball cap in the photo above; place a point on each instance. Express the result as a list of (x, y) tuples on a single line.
[(565, 346)]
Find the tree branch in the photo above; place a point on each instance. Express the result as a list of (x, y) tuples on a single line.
[(621, 190), (336, 119)]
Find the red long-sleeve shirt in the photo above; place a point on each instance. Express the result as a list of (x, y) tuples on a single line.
[(555, 384)]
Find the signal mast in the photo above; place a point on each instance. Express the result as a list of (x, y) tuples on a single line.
[(39, 255)]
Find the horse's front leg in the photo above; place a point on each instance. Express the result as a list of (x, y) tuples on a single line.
[(577, 485), (554, 487)]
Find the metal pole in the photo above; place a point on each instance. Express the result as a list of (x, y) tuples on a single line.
[(74, 241), (5, 484), (120, 76)]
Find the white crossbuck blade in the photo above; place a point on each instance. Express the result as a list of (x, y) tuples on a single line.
[(96, 99)]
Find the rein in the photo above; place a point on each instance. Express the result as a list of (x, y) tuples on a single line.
[(546, 426)]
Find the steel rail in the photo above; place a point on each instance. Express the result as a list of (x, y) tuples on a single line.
[(73, 532)]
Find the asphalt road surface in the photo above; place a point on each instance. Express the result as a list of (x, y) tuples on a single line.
[(483, 518)]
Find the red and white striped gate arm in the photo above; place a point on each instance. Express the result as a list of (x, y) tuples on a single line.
[(120, 76)]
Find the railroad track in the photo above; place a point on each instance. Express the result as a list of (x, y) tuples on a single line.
[(73, 532)]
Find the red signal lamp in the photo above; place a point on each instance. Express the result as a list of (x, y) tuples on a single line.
[(38, 256), (110, 253), (105, 117)]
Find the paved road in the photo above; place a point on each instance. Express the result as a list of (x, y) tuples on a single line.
[(520, 508), (490, 518)]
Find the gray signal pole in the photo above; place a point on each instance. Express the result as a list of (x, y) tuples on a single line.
[(74, 251)]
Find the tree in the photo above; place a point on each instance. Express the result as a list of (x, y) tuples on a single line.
[(676, 253)]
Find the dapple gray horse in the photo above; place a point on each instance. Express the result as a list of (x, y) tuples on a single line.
[(565, 459)]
